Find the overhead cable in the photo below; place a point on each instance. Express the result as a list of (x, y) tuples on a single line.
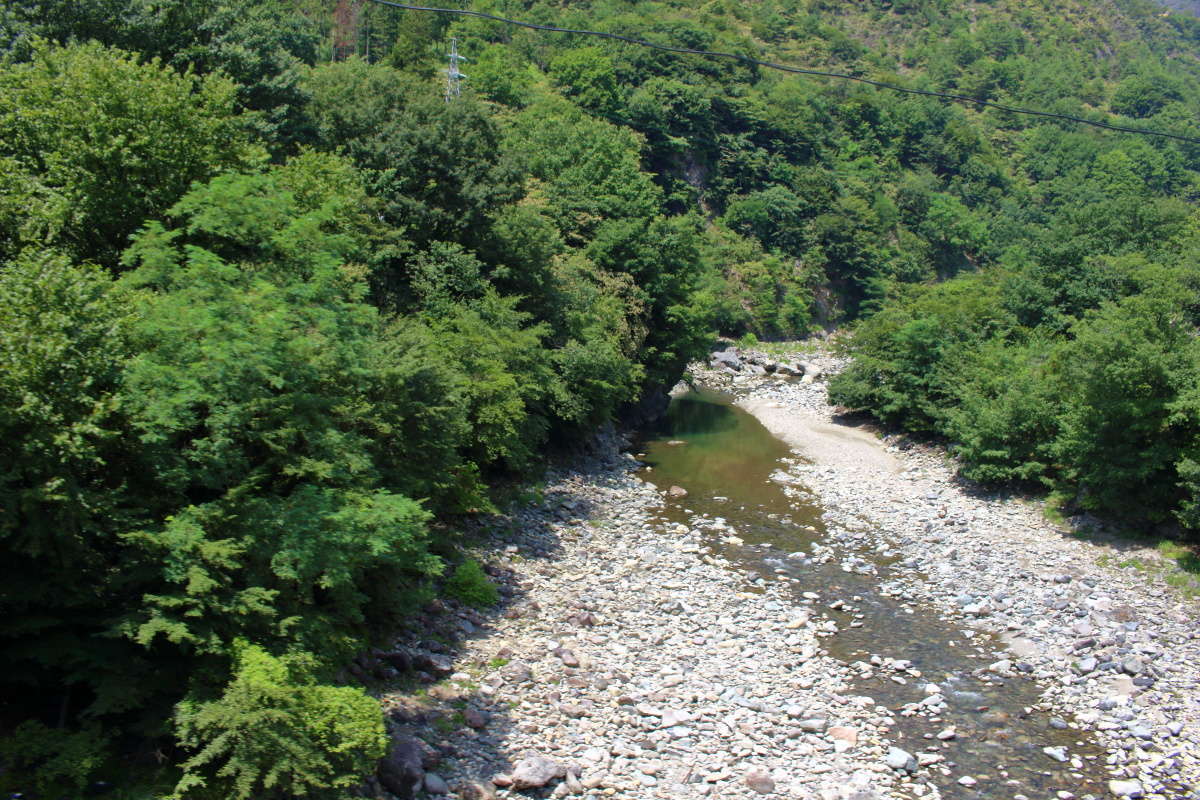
[(463, 12)]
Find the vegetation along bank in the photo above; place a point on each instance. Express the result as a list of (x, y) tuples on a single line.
[(278, 322)]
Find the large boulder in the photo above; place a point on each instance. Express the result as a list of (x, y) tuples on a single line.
[(727, 358), (535, 771), (400, 771)]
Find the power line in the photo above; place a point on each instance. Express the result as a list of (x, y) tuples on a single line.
[(796, 70)]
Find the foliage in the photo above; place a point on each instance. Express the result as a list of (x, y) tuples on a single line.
[(266, 315), (275, 732), (61, 764), (469, 584), (94, 142)]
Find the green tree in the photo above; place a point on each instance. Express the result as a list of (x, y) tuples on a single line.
[(97, 142), (276, 732), (586, 75), (1125, 426)]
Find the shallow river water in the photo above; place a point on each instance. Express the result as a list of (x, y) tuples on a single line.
[(724, 463)]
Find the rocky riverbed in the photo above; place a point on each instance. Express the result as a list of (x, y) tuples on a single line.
[(1116, 651), (629, 661), (643, 650)]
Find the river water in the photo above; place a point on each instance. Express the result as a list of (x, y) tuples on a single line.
[(723, 457)]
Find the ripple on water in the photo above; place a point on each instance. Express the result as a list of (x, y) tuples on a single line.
[(724, 458)]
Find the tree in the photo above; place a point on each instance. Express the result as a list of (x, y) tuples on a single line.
[(98, 141), (586, 75), (276, 732)]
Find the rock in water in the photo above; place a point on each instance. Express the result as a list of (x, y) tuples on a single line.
[(535, 771), (435, 785), (1057, 753), (760, 780), (677, 491), (401, 772)]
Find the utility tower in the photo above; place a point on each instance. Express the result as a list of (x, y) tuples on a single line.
[(453, 76)]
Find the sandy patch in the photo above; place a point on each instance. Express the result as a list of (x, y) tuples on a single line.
[(819, 441)]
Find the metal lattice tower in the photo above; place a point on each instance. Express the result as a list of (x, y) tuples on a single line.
[(453, 76)]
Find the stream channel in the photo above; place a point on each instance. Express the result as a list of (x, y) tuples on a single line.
[(724, 464)]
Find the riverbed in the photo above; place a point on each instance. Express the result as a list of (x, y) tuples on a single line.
[(774, 604), (939, 680), (1111, 649)]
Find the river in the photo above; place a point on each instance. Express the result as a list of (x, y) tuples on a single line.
[(724, 458)]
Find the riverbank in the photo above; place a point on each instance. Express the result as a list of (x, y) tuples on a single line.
[(630, 660), (1117, 653)]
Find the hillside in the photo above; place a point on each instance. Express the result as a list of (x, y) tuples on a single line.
[(279, 319)]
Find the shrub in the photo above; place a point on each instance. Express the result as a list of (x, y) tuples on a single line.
[(275, 732), (469, 584)]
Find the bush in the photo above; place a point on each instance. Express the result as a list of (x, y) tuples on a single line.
[(275, 732), (54, 763), (469, 584)]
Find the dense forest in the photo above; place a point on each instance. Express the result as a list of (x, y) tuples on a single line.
[(275, 316)]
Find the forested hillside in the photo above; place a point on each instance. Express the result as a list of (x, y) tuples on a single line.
[(274, 315)]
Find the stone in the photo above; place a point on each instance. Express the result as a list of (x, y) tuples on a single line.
[(516, 672), (568, 658), (727, 358), (979, 609), (967, 780), (473, 790), (812, 725), (900, 760), (573, 710), (673, 716), (1057, 753), (435, 785), (1125, 788), (677, 492), (401, 772), (434, 663), (946, 734), (535, 771), (475, 718), (1086, 665), (843, 733), (759, 780), (1132, 666)]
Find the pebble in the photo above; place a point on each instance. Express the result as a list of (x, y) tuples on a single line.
[(760, 781), (1125, 788)]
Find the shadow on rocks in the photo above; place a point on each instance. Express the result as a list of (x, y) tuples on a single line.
[(449, 695)]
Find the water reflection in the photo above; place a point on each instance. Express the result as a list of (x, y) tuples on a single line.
[(724, 458)]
